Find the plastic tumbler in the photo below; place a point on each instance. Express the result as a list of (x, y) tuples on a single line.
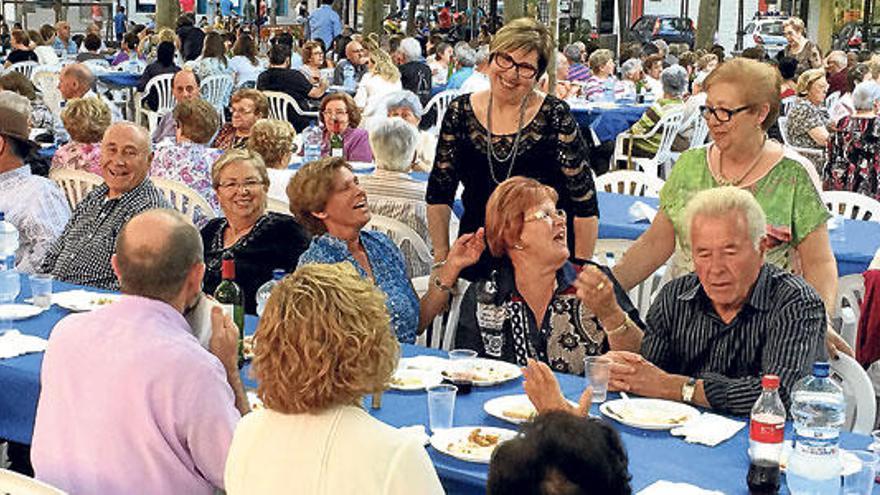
[(597, 370), (41, 290), (858, 479), (441, 405)]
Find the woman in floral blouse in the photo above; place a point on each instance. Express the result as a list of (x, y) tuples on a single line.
[(85, 119), (537, 304), (854, 149), (808, 119), (248, 106)]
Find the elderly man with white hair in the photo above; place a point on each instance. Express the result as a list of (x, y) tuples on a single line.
[(675, 83), (391, 191), (836, 72), (712, 334), (465, 59), (479, 80), (415, 75), (406, 105)]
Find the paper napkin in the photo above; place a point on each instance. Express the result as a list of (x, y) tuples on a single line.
[(13, 343), (708, 429), (663, 487), (641, 211)]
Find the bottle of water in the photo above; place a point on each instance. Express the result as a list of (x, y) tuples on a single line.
[(766, 429), (312, 137), (818, 410), (348, 78), (265, 290), (9, 283)]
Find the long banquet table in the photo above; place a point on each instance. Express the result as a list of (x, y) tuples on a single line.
[(652, 455)]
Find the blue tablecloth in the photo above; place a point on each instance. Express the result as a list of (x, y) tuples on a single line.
[(853, 248), (606, 122), (120, 79)]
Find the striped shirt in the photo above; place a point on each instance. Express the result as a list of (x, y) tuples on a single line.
[(780, 330), (578, 72)]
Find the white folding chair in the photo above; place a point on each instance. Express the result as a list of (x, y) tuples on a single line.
[(610, 251), (217, 90), (861, 405), (26, 68), (277, 206), (441, 333), (850, 294), (668, 126), (440, 102), (852, 205), (12, 483), (185, 200), (814, 154), (786, 104), (75, 184), (279, 103), (415, 250), (162, 85), (631, 182), (701, 130)]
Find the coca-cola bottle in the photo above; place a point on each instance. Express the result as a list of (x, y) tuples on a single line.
[(766, 430)]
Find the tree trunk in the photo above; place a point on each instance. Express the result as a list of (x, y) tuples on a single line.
[(514, 9), (167, 12), (554, 30), (373, 15), (708, 19), (411, 17)]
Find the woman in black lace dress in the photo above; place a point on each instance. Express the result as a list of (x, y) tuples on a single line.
[(511, 130)]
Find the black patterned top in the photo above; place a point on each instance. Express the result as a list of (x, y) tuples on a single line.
[(551, 151), (853, 162), (505, 328)]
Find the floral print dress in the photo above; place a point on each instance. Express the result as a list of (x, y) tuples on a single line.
[(853, 162)]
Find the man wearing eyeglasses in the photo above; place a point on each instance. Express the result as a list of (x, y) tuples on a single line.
[(356, 56)]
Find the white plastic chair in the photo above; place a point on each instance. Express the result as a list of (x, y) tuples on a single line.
[(814, 154), (185, 200), (46, 82), (279, 103), (277, 206), (162, 84), (217, 90), (440, 102), (701, 130), (12, 483), (26, 68), (75, 184), (441, 333), (850, 294), (852, 205), (669, 126), (630, 182), (610, 251), (832, 99), (407, 240), (861, 405), (786, 105)]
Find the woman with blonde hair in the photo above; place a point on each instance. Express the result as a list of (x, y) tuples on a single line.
[(799, 47), (273, 140), (337, 319), (381, 79), (808, 119), (85, 119)]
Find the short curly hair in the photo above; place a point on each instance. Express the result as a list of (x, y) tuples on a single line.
[(197, 120), (354, 113), (86, 119), (273, 140), (324, 340), (506, 211), (261, 103), (309, 190)]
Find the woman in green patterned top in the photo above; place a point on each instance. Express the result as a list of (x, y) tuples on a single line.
[(742, 102)]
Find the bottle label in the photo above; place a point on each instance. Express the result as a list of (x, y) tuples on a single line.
[(336, 152), (763, 432), (228, 310)]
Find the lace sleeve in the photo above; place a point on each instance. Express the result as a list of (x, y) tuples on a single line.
[(444, 179), (572, 155)]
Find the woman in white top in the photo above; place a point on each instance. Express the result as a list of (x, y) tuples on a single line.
[(273, 140), (440, 63), (45, 53), (213, 61), (244, 63), (313, 436), (382, 78)]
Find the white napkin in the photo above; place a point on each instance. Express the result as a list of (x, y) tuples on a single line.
[(835, 222), (13, 343), (641, 211), (663, 487), (708, 429), (418, 432)]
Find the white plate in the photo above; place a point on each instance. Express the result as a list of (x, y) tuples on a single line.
[(649, 414), (362, 165), (488, 372), (424, 363), (516, 409), (410, 379), (19, 311), (454, 442), (83, 300), (254, 401)]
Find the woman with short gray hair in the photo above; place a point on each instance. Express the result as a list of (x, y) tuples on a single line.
[(465, 59), (631, 70), (674, 80), (853, 162), (406, 105)]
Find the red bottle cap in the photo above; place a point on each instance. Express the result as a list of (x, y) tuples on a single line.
[(770, 381), (227, 269)]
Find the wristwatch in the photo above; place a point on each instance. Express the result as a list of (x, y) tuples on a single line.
[(687, 389)]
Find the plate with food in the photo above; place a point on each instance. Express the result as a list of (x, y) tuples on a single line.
[(487, 372), (414, 379), (471, 443), (247, 347), (516, 409), (19, 311), (649, 414), (83, 300)]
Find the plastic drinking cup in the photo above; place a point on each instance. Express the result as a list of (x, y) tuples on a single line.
[(441, 405), (597, 370)]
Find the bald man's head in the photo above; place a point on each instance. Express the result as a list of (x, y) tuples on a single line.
[(155, 253), (75, 80)]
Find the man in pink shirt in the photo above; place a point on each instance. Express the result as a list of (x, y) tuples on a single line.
[(130, 402)]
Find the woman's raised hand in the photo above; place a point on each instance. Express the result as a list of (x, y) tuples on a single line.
[(466, 250)]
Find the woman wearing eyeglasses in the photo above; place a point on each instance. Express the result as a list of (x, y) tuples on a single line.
[(248, 106), (742, 102), (537, 304), (258, 241), (340, 115), (509, 130)]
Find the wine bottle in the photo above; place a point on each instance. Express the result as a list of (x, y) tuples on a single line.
[(336, 145), (231, 298)]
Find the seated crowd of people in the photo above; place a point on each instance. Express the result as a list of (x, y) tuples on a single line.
[(741, 225)]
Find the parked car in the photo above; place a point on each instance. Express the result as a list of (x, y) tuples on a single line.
[(671, 29), (850, 37), (766, 33)]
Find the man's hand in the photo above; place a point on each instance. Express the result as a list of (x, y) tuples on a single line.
[(631, 372), (224, 339), (543, 391), (835, 343)]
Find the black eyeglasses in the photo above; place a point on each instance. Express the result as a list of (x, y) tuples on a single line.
[(506, 62), (721, 114)]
